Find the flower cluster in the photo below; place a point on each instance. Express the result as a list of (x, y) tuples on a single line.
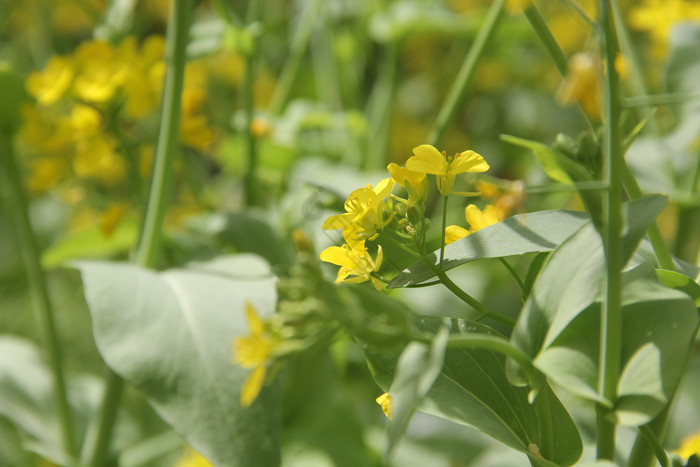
[(94, 118), (374, 210)]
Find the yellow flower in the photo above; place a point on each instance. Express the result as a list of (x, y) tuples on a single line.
[(583, 84), (354, 262), (97, 158), (85, 121), (429, 160), (101, 72), (657, 17), (46, 172), (51, 84), (689, 446), (365, 213), (477, 220), (385, 401), (254, 351), (192, 458), (415, 182)]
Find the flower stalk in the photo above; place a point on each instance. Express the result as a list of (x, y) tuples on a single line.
[(166, 150)]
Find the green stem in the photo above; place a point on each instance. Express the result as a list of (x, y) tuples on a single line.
[(656, 446), (513, 273), (466, 73), (252, 17), (166, 150), (466, 298), (380, 108), (442, 235), (627, 45), (611, 311), (555, 52), (300, 43), (43, 309)]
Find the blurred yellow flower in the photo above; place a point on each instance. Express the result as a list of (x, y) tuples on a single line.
[(583, 84), (365, 213), (354, 262), (428, 160), (85, 121), (100, 71), (477, 220), (689, 446), (385, 401), (96, 158), (46, 173), (657, 17), (254, 351), (50, 84)]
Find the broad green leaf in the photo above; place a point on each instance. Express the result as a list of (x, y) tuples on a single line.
[(560, 323), (170, 333), (679, 281), (91, 243), (26, 399), (523, 233), (472, 389), (416, 370)]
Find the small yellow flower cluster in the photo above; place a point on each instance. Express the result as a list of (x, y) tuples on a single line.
[(94, 110), (657, 17), (368, 212)]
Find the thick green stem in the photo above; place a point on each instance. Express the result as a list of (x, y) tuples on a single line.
[(380, 108), (300, 43), (247, 104), (17, 206), (611, 311), (466, 73), (166, 150)]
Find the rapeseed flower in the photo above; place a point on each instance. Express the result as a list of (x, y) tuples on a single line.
[(50, 84), (385, 401), (477, 220), (583, 84), (354, 261), (254, 351), (428, 160), (366, 212), (657, 18)]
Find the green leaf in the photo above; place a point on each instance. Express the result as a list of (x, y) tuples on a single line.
[(637, 216), (416, 370), (26, 399), (560, 323), (523, 233), (170, 333), (472, 390), (91, 243), (679, 281), (556, 165)]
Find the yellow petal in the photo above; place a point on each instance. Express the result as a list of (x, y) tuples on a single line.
[(252, 386), (454, 233), (428, 160), (255, 324), (383, 188), (397, 173), (468, 161), (338, 256), (385, 401), (337, 221)]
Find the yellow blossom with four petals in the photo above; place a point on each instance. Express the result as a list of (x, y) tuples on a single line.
[(429, 160)]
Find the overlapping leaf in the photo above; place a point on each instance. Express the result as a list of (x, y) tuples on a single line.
[(170, 335)]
